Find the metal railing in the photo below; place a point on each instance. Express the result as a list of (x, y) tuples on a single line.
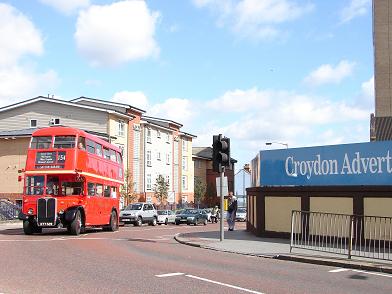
[(8, 210), (351, 235)]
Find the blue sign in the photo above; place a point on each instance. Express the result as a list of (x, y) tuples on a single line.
[(336, 165)]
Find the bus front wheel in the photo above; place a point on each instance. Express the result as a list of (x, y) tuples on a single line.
[(75, 226), (27, 227)]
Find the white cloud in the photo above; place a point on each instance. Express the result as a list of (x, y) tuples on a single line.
[(67, 6), (255, 19), (176, 109), (19, 38), (109, 35), (18, 83), (137, 99), (327, 74), (241, 100), (366, 97), (252, 117), (354, 9)]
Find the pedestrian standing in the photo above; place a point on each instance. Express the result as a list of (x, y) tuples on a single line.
[(231, 211)]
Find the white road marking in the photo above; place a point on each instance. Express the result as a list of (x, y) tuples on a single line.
[(223, 284), (371, 273), (338, 270), (169, 275)]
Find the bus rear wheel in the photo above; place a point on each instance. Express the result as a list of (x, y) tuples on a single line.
[(113, 225), (75, 226)]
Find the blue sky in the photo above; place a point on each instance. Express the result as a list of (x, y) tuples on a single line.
[(293, 71)]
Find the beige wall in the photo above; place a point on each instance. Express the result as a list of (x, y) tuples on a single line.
[(341, 205), (378, 228), (12, 158), (377, 206), (200, 172), (278, 212)]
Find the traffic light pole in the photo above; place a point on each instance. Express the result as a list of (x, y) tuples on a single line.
[(222, 203)]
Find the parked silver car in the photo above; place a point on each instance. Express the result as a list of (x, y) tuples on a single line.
[(241, 214), (166, 217), (139, 213)]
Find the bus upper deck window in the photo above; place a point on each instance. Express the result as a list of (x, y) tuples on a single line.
[(64, 142), (42, 142), (82, 143), (113, 155), (106, 153), (98, 149)]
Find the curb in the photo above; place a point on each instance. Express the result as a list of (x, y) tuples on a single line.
[(310, 260)]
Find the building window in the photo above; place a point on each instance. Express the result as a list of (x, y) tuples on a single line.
[(33, 123), (198, 163), (158, 155), (121, 128), (167, 178), (168, 158), (167, 138), (184, 182), (158, 133), (184, 198), (54, 121), (148, 158), (148, 135), (184, 145), (184, 163), (148, 180)]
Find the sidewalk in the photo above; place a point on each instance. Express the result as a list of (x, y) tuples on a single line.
[(243, 242)]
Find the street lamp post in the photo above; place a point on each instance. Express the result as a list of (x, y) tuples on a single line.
[(280, 143)]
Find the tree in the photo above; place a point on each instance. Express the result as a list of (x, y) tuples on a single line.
[(161, 188), (128, 189), (199, 190)]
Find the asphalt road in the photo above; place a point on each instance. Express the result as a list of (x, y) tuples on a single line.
[(147, 260)]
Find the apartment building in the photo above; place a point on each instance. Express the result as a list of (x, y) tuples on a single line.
[(150, 145)]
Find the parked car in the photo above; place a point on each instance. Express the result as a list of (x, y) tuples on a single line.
[(199, 217), (139, 213), (191, 216), (241, 214), (165, 217)]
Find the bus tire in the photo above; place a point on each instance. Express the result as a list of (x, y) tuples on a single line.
[(113, 225), (139, 221), (166, 222), (27, 227), (75, 226)]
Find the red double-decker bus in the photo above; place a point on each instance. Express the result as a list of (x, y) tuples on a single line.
[(72, 179)]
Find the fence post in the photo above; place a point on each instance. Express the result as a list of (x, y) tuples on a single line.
[(351, 232), (292, 230)]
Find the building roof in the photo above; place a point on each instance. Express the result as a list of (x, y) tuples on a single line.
[(17, 133), (161, 121), (63, 102), (188, 135), (206, 153), (117, 104)]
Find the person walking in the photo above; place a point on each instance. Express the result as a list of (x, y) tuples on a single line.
[(231, 210)]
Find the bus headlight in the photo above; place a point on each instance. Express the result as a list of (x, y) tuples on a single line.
[(30, 211), (61, 211)]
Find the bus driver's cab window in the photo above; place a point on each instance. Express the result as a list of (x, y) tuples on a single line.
[(52, 186)]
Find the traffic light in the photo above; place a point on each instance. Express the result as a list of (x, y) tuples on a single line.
[(220, 152)]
